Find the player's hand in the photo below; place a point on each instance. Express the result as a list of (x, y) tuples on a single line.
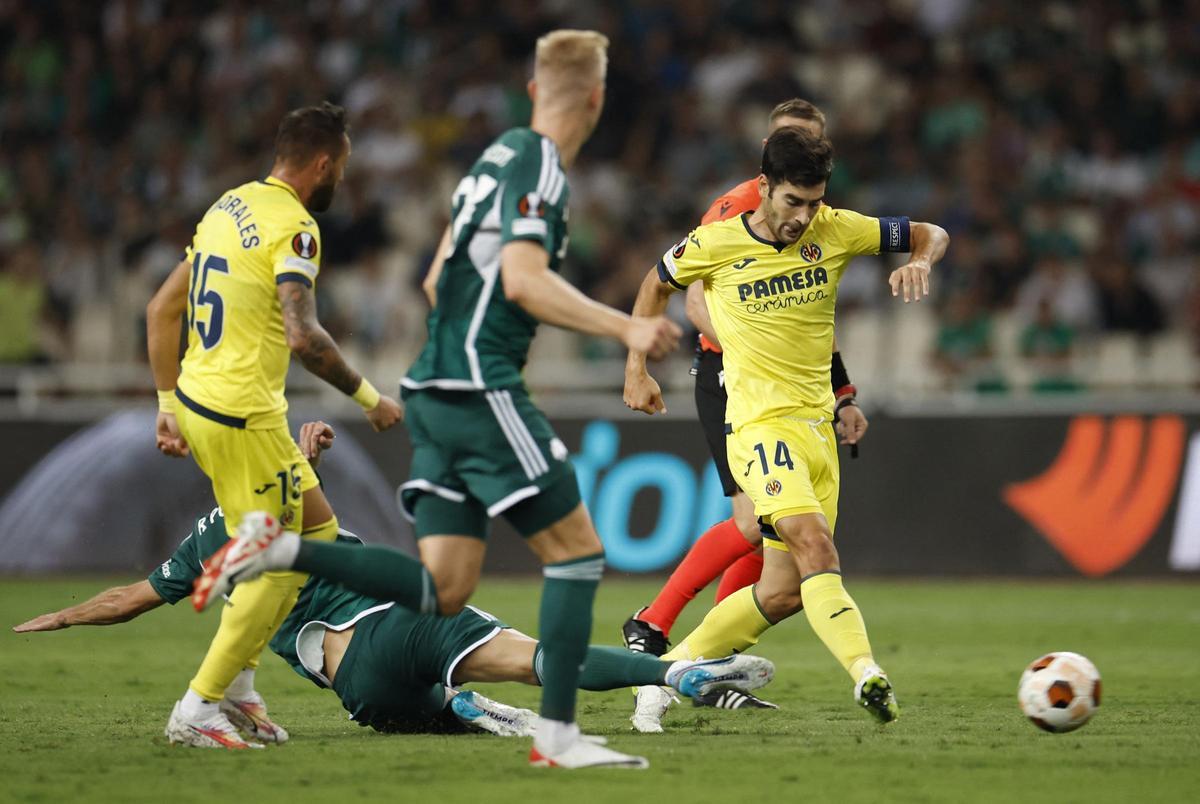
[(385, 414), (167, 437), (54, 621), (315, 438), (851, 424), (911, 279), (642, 393), (654, 336)]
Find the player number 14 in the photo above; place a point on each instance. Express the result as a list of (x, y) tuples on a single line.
[(782, 456)]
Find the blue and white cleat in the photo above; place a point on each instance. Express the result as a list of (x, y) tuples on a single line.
[(477, 712), (704, 676)]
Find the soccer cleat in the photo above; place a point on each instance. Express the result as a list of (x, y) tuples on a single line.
[(260, 545), (874, 693), (738, 672), (250, 717), (584, 753), (214, 731), (732, 699), (652, 703), (478, 712), (642, 637)]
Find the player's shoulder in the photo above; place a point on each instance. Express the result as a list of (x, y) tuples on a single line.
[(710, 240), (517, 146), (836, 221), (280, 207)]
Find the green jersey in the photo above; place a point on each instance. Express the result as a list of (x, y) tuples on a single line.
[(173, 578), (321, 601), (478, 340)]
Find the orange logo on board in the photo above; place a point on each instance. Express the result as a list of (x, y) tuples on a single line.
[(1107, 491)]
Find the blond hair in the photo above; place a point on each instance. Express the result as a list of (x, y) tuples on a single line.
[(569, 64)]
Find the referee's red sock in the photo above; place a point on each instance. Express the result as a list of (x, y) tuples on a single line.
[(745, 571), (719, 547)]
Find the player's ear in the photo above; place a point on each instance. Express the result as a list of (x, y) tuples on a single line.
[(531, 89), (764, 187)]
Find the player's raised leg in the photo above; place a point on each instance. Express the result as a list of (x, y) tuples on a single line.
[(713, 553), (832, 613)]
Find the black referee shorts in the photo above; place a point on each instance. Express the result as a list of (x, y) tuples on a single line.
[(710, 405)]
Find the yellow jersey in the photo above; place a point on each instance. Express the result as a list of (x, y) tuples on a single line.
[(772, 304), (254, 237)]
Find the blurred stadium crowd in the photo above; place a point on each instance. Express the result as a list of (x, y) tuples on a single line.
[(1058, 143)]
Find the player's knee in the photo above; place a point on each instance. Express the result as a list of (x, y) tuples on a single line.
[(750, 528), (452, 596), (813, 543), (778, 604)]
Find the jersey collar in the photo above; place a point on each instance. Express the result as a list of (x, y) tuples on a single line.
[(274, 182), (775, 244)]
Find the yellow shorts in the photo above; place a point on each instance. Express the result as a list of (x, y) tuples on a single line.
[(250, 470), (787, 466)]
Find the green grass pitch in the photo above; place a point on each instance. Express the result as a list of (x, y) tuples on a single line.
[(82, 711)]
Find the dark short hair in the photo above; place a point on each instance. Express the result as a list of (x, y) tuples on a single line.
[(797, 157), (800, 109), (308, 132)]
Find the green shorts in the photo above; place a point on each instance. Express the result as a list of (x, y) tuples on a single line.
[(398, 664), (481, 454)]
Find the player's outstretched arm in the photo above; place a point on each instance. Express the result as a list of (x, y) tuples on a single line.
[(164, 318), (117, 605), (317, 350), (641, 391), (929, 243), (529, 283)]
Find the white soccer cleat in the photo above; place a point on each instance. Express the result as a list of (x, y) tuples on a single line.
[(215, 731), (704, 676), (478, 712), (261, 545), (652, 703), (250, 717), (583, 753)]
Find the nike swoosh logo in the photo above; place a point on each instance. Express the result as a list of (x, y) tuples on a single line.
[(263, 490), (843, 611)]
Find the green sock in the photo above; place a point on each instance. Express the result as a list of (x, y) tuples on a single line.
[(607, 668), (564, 627), (372, 569)]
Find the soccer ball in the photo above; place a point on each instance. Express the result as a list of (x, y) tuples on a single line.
[(1060, 691)]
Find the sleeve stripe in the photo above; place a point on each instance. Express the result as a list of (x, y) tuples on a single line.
[(293, 277), (664, 274), (302, 265), (529, 226), (894, 234)]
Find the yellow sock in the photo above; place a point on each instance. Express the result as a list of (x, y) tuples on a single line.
[(254, 613), (734, 624), (835, 617)]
